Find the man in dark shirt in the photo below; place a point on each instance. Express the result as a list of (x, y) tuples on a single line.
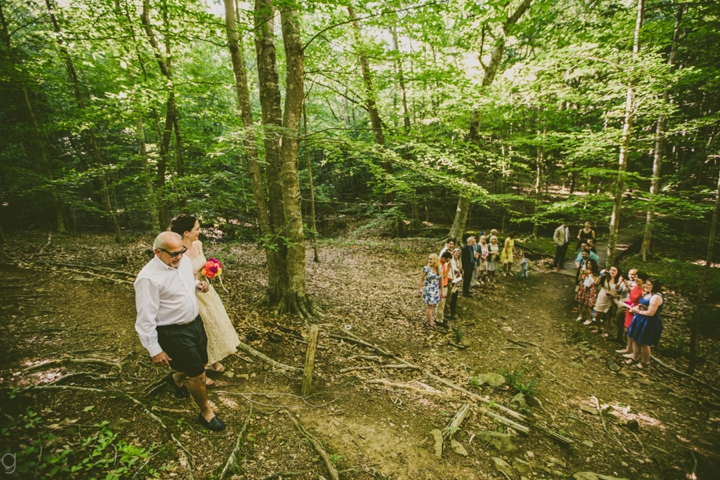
[(468, 264)]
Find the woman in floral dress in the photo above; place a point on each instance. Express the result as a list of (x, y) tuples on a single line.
[(587, 291), (429, 287)]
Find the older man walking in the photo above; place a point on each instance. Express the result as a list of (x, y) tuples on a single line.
[(169, 325)]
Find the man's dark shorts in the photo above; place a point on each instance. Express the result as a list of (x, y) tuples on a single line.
[(186, 345)]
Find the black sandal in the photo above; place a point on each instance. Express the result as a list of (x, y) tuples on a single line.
[(180, 392), (215, 424)]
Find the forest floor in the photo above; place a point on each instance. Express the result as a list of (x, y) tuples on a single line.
[(77, 397)]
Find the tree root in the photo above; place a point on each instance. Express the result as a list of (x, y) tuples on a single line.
[(261, 356), (683, 374), (300, 305), (231, 463), (318, 448)]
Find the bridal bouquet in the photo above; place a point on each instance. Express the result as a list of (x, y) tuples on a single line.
[(212, 268)]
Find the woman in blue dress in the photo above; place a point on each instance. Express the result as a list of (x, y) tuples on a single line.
[(429, 286), (646, 326)]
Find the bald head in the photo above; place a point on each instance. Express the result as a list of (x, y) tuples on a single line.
[(168, 247)]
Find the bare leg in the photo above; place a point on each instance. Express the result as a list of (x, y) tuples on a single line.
[(429, 315), (645, 353), (196, 385)]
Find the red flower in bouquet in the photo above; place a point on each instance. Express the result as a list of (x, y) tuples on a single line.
[(212, 268)]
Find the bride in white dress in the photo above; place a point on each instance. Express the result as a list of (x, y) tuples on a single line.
[(222, 338)]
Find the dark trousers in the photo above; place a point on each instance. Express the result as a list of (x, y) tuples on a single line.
[(467, 279), (453, 302), (560, 253)]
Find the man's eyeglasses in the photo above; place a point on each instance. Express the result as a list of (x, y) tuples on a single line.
[(174, 254)]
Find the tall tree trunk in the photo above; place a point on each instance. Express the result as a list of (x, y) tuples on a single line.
[(91, 130), (40, 143), (150, 191), (375, 121), (703, 285), (295, 299), (165, 64), (270, 104), (401, 82), (316, 257), (491, 69), (251, 152), (659, 145), (539, 161), (624, 145)]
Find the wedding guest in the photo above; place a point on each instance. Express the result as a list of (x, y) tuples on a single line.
[(587, 291), (469, 256), (444, 283), (483, 249), (456, 282), (506, 257), (585, 233), (646, 327), (561, 237), (634, 286), (523, 265), (493, 258), (449, 247), (611, 288), (429, 287)]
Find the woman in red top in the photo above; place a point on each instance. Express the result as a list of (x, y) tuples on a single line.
[(635, 294)]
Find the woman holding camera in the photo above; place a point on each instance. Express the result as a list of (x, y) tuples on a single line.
[(611, 288)]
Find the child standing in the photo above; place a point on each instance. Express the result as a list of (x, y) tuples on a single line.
[(523, 265)]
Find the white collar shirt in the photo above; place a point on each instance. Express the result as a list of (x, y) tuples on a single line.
[(163, 296)]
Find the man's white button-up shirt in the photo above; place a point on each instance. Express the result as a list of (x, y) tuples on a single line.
[(163, 296)]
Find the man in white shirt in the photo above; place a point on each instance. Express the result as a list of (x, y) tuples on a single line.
[(449, 247), (561, 237), (169, 325)]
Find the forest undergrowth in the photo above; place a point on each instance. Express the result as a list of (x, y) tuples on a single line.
[(81, 399)]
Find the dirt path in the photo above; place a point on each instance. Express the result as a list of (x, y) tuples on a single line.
[(375, 422)]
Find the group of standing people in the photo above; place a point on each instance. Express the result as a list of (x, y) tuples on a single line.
[(627, 307), (476, 263), (181, 320)]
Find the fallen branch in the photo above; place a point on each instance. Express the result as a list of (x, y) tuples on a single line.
[(318, 448), (104, 277), (155, 387), (455, 423), (357, 341), (89, 267), (73, 360), (372, 358), (512, 413), (683, 374), (231, 463), (155, 408), (42, 250), (458, 346), (261, 356), (399, 367), (388, 383), (82, 374), (285, 474)]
